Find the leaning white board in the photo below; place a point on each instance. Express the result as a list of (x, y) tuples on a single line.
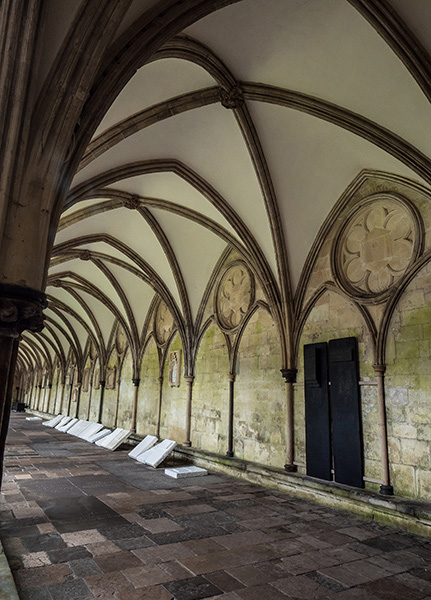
[(155, 455), (68, 425), (185, 472), (53, 422), (90, 430), (111, 442), (147, 443), (79, 427), (108, 438), (99, 435), (63, 421)]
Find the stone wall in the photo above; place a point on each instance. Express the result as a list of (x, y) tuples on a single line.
[(408, 382)]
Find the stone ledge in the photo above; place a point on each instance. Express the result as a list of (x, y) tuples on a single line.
[(410, 515)]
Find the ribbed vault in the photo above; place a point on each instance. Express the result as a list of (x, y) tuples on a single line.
[(241, 132)]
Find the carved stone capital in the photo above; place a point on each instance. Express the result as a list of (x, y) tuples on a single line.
[(189, 379), (379, 369), (21, 309), (132, 203), (232, 98), (136, 382), (289, 375), (102, 383), (231, 376)]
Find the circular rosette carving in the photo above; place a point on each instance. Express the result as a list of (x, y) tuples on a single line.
[(164, 324), (234, 296), (378, 243)]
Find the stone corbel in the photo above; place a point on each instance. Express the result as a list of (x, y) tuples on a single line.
[(21, 309)]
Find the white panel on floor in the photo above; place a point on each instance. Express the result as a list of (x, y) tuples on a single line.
[(147, 443), (90, 430), (154, 456), (117, 440), (63, 421), (33, 419), (79, 427), (66, 427), (98, 436), (106, 439), (183, 472), (53, 422)]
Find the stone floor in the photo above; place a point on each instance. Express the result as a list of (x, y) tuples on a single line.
[(82, 522)]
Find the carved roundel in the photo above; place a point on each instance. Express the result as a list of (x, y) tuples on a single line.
[(121, 340), (234, 296), (164, 324), (378, 243)]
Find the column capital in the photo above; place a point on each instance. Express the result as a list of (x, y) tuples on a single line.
[(189, 379), (289, 375), (102, 383), (379, 369), (136, 381), (161, 379), (21, 309), (231, 376)]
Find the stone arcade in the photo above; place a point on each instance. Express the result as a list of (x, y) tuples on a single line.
[(191, 192)]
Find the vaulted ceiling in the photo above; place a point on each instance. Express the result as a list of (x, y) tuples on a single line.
[(241, 131)]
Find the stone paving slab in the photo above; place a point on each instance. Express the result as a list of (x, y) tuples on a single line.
[(78, 524)]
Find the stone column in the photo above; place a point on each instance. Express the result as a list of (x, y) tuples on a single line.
[(48, 397), (136, 383), (8, 354), (38, 399), (102, 393), (20, 309), (159, 407), (386, 489), (290, 378), (231, 377), (189, 380), (78, 398)]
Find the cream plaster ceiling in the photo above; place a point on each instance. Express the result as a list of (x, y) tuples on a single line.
[(321, 48)]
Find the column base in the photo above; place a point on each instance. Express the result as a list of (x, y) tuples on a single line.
[(187, 444), (229, 453), (290, 468), (386, 490)]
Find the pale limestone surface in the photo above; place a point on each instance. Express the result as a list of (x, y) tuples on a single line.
[(68, 425), (109, 437), (185, 472), (78, 428), (53, 422), (63, 421), (146, 444), (154, 456), (90, 431), (99, 435), (111, 442)]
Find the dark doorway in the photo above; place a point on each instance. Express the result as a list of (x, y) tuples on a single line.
[(333, 411)]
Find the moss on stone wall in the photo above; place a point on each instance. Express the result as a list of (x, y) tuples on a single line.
[(125, 403), (173, 418), (260, 395), (408, 383), (209, 423), (148, 396)]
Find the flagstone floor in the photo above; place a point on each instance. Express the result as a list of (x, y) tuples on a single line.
[(81, 522)]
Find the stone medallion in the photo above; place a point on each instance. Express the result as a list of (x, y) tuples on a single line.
[(164, 324), (234, 296), (121, 341), (378, 243)]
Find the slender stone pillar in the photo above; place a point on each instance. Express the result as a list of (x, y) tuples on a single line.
[(78, 398), (231, 378), (189, 379), (48, 397), (290, 378), (159, 407), (102, 393), (386, 489), (38, 401), (136, 383)]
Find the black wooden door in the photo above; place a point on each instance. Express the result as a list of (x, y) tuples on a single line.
[(333, 411), (317, 418)]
